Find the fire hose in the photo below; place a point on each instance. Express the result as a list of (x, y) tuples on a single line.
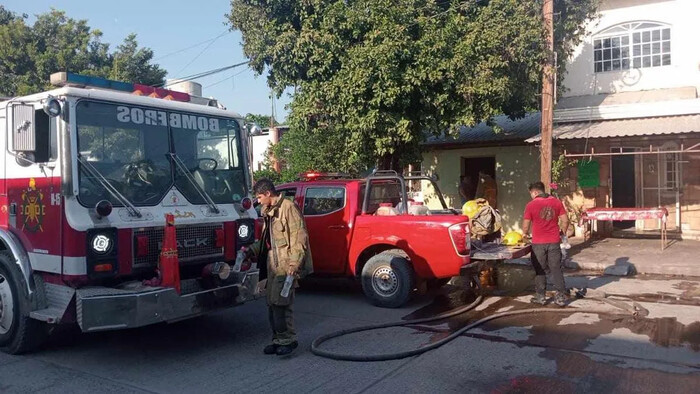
[(634, 310)]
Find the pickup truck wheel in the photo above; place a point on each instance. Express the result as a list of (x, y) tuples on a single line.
[(18, 332), (387, 279)]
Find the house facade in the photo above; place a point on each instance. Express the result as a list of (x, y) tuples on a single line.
[(504, 156), (627, 127), (629, 123)]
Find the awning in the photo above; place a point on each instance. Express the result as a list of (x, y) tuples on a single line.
[(625, 128)]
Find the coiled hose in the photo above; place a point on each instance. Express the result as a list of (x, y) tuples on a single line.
[(409, 353)]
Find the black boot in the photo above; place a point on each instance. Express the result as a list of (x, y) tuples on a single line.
[(284, 350), (271, 349)]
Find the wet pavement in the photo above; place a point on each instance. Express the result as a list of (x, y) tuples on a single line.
[(570, 352), (594, 352)]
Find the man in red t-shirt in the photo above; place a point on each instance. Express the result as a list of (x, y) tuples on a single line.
[(546, 215)]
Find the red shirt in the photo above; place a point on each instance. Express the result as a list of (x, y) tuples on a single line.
[(544, 213)]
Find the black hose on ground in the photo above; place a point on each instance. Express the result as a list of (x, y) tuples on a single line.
[(409, 353)]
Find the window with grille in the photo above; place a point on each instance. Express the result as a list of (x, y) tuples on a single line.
[(671, 173), (632, 45), (670, 180)]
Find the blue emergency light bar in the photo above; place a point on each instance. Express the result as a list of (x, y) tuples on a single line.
[(77, 80), (81, 81)]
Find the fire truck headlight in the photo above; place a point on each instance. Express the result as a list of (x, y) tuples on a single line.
[(101, 244), (52, 107)]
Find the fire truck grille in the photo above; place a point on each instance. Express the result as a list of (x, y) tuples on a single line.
[(193, 243)]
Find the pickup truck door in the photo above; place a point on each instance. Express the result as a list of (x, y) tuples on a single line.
[(325, 213)]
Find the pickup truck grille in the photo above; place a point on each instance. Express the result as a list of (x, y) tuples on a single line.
[(194, 242)]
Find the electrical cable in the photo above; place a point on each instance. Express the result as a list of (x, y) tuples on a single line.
[(227, 78), (201, 52), (193, 45), (205, 73)]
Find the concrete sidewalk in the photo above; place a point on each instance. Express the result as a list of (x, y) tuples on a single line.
[(645, 255)]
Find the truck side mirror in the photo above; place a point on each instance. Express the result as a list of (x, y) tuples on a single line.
[(31, 131), (23, 128)]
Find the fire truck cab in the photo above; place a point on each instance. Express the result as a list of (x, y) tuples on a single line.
[(89, 172)]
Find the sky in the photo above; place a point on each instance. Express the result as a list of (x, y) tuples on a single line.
[(170, 28)]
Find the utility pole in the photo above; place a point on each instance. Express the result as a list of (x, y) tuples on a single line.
[(547, 98)]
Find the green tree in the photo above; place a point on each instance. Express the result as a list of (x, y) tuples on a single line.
[(55, 42), (131, 63), (372, 77), (260, 120)]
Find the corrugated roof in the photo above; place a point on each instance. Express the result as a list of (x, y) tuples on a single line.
[(626, 127), (512, 131)]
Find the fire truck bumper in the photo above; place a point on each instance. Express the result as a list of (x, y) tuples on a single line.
[(100, 308)]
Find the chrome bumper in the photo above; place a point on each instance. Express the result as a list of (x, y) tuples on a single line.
[(100, 309)]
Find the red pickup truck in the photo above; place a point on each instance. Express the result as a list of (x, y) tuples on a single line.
[(368, 229)]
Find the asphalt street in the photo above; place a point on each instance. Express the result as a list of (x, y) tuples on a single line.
[(550, 353)]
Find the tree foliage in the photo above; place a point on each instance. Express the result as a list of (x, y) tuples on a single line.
[(260, 120), (55, 42), (371, 77)]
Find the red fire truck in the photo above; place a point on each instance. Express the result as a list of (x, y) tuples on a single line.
[(89, 172)]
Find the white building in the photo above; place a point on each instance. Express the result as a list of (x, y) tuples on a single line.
[(262, 142), (631, 87), (632, 111)]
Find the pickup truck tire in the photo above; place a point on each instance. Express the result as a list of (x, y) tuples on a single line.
[(18, 332), (387, 279)]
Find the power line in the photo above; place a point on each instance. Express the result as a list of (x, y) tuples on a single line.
[(204, 74), (193, 46), (202, 52), (227, 78)]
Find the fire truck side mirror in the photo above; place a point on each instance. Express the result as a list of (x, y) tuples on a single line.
[(31, 128), (23, 128)]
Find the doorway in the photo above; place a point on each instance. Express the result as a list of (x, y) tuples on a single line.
[(624, 186), (471, 167)]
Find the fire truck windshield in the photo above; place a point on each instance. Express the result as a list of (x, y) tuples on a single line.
[(130, 146)]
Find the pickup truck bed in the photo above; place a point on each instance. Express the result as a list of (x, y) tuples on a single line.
[(489, 253), (495, 251)]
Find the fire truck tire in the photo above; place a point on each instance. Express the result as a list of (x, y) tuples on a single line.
[(387, 279), (20, 333)]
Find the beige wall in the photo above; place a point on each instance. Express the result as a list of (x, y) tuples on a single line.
[(685, 57), (516, 167)]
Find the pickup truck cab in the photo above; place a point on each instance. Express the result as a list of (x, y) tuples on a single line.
[(369, 230)]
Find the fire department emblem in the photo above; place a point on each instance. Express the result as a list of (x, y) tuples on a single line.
[(33, 208), (243, 231)]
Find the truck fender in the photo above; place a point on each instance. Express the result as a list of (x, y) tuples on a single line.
[(9, 241), (370, 250)]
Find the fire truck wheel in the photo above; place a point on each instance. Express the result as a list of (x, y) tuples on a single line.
[(387, 279), (18, 332)]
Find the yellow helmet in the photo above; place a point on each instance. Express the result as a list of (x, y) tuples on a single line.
[(512, 238), (470, 208)]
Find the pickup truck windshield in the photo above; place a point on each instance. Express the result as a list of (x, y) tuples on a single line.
[(130, 146)]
